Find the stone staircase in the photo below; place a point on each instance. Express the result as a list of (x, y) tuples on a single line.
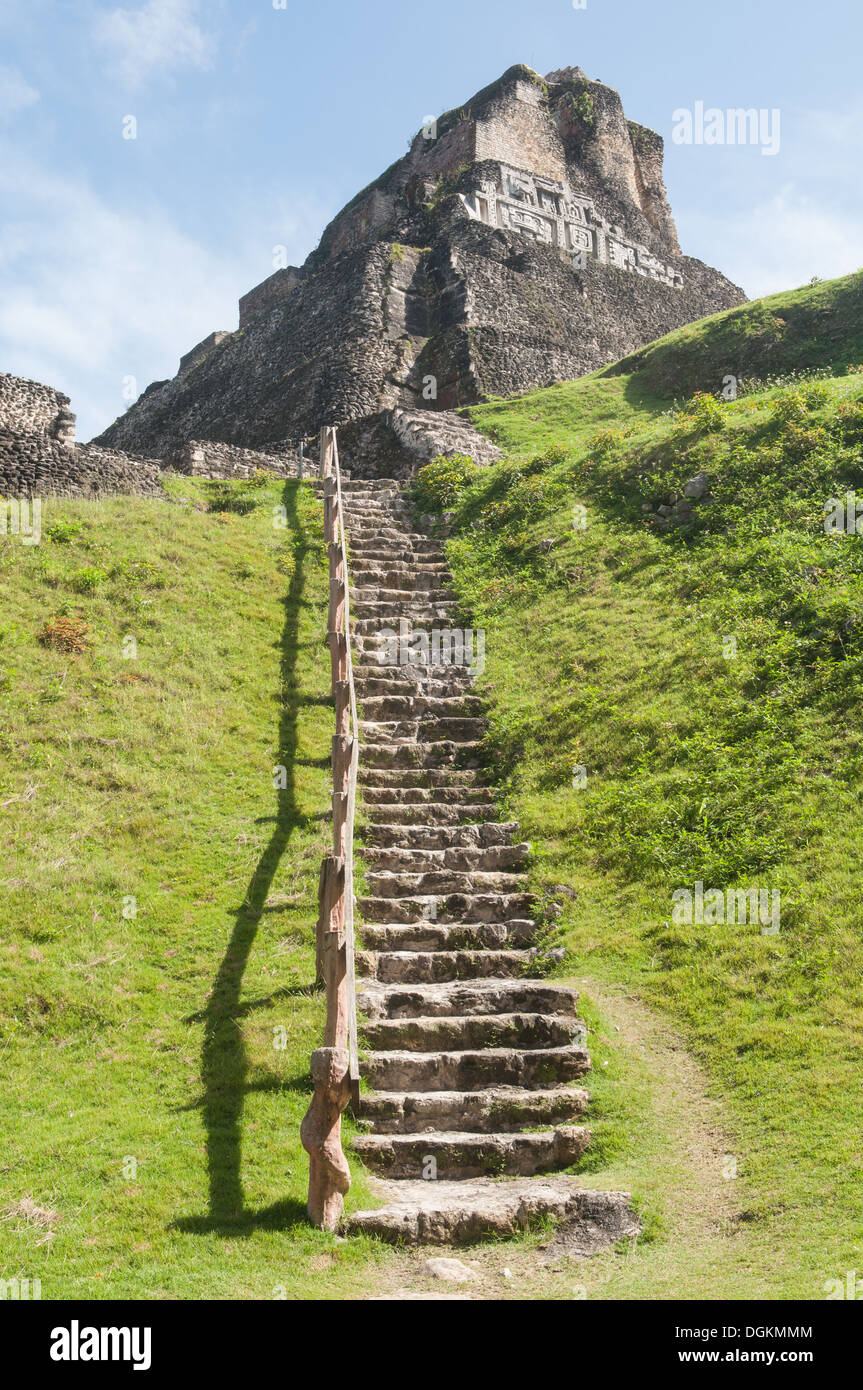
[(470, 1054)]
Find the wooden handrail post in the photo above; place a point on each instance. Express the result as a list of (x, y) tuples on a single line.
[(337, 569), (335, 1069), (331, 911), (327, 448), (338, 657), (331, 511), (321, 1137), (342, 693), (336, 618)]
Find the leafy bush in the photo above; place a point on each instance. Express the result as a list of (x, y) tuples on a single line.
[(63, 532), (89, 577), (523, 499), (552, 456), (439, 484), (703, 413)]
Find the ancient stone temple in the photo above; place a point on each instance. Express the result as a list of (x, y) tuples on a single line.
[(526, 238)]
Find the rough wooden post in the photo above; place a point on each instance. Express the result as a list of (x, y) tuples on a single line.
[(338, 657), (327, 438), (343, 708), (331, 908), (336, 618), (331, 511), (321, 1130), (321, 1137), (337, 569), (329, 1175)]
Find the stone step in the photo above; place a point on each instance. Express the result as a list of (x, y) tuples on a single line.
[(454, 678), (461, 1213), (439, 837), (379, 1001), (447, 907), (427, 574), (373, 530), (421, 755), (386, 708), (359, 552), (460, 791), (391, 508), (461, 1155), (381, 622), (379, 680), (435, 967), (455, 813), (503, 1108), (461, 936), (392, 596), (474, 1071), (457, 728), (386, 883), (441, 778), (471, 859), (469, 1032)]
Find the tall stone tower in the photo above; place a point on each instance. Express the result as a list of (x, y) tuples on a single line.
[(526, 238)]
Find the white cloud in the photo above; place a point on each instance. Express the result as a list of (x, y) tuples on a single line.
[(161, 36), (778, 244), (15, 92), (94, 293)]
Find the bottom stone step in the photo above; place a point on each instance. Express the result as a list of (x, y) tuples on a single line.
[(459, 1213)]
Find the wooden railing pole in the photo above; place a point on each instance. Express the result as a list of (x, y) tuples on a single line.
[(338, 657), (321, 1136), (334, 1066)]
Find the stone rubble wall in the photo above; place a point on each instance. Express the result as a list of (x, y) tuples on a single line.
[(28, 407), (527, 319), (36, 465), (209, 459), (432, 434)]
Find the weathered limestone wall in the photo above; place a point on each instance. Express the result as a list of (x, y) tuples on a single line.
[(36, 465), (268, 294), (207, 459), (525, 318), (29, 407), (200, 351)]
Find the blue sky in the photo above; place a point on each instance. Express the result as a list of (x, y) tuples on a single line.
[(255, 124)]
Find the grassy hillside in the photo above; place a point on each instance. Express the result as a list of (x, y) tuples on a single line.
[(708, 681), (820, 326), (151, 1122)]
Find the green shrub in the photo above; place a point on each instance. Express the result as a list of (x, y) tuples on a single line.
[(439, 483), (89, 577), (703, 413), (63, 532), (788, 407)]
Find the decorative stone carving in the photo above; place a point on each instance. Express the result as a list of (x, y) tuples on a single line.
[(549, 212)]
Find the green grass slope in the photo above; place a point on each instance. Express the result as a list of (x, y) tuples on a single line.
[(820, 325), (708, 680), (155, 1052), (157, 921)]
